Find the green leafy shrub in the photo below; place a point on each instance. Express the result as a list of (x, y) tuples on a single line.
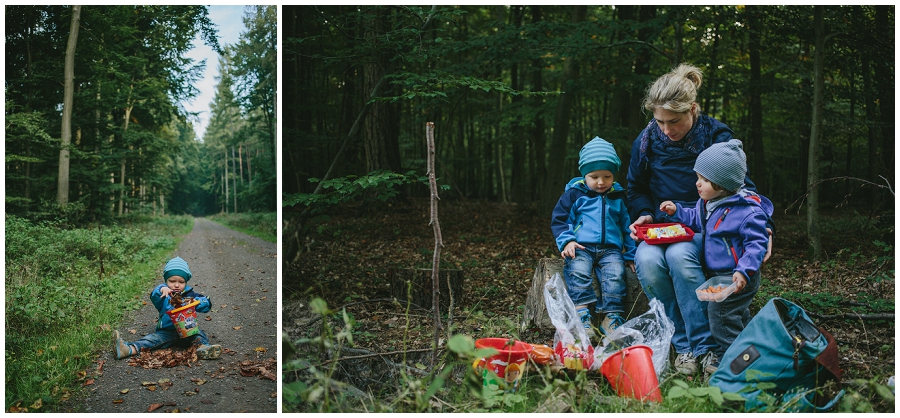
[(65, 285)]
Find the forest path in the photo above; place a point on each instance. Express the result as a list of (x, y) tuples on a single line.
[(238, 273)]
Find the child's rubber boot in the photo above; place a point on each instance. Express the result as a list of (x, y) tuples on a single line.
[(209, 352), (123, 350)]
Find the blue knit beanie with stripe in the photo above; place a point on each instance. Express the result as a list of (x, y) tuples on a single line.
[(724, 164), (598, 155), (177, 267)]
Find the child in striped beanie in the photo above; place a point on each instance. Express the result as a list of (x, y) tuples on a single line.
[(176, 275)]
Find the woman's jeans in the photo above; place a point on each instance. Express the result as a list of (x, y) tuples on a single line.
[(671, 273), (167, 337), (609, 266), (729, 317)]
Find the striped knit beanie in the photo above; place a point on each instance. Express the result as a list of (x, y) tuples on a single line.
[(177, 267), (598, 155), (724, 164)]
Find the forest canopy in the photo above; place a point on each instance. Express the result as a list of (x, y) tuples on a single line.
[(95, 122)]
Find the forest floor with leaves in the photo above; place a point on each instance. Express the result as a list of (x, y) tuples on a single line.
[(498, 246)]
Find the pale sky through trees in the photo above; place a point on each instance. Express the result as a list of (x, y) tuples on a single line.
[(229, 24)]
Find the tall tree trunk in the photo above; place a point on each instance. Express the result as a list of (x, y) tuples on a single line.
[(812, 211), (622, 93), (518, 182), (225, 179), (62, 189), (539, 153), (871, 127), (382, 144), (553, 185), (884, 78), (758, 161), (235, 179)]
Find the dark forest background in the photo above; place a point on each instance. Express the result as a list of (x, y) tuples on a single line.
[(515, 91)]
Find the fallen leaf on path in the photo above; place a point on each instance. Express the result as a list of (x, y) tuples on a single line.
[(154, 406), (206, 402), (118, 401), (238, 388), (105, 327), (148, 383), (81, 374), (237, 327), (151, 388), (124, 391), (208, 318), (261, 349), (89, 382), (37, 404), (132, 331), (189, 393), (100, 366)]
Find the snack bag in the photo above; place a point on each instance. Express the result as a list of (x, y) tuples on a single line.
[(571, 342)]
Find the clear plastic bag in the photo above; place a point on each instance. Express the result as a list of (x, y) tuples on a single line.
[(652, 328), (571, 341)]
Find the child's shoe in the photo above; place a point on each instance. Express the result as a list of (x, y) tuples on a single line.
[(123, 350), (209, 352), (585, 316), (610, 323)]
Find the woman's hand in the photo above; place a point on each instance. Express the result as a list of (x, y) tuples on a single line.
[(646, 219), (569, 251)]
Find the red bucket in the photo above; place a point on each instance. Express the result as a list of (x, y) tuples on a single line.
[(185, 319), (509, 362), (630, 371)]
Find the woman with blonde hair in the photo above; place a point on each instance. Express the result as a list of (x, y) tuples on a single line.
[(662, 169)]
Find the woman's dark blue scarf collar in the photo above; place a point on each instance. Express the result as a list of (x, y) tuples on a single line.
[(696, 140)]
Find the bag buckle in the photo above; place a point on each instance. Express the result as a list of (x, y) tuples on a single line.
[(798, 345)]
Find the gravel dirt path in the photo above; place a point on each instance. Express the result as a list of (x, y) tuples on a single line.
[(237, 272)]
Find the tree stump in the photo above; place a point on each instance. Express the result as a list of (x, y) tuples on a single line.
[(451, 280), (536, 316)]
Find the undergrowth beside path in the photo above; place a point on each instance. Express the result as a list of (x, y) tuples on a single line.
[(66, 288), (261, 225)]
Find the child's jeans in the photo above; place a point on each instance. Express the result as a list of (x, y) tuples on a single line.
[(609, 265), (167, 337), (729, 317)]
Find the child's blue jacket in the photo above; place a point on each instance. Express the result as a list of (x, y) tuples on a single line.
[(164, 304), (587, 217)]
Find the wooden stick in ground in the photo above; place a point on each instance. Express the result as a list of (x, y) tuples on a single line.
[(438, 243)]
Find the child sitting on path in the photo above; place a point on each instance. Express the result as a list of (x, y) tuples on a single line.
[(176, 274), (590, 224), (733, 223)]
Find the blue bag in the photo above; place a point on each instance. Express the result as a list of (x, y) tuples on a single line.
[(783, 354)]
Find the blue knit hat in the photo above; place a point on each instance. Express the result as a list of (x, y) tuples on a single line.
[(598, 155), (724, 164), (177, 267)]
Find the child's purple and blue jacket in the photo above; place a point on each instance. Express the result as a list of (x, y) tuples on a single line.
[(734, 233)]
